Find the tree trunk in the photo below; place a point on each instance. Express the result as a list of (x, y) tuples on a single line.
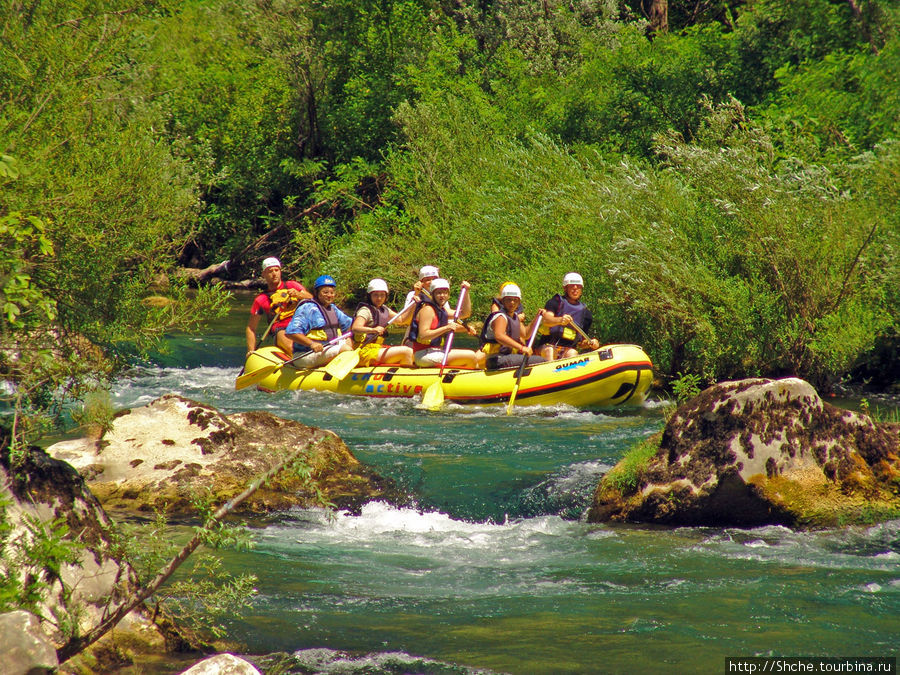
[(659, 16)]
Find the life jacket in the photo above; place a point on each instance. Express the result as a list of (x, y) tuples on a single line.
[(565, 335), (285, 304), (381, 316), (332, 328), (441, 319), (488, 339)]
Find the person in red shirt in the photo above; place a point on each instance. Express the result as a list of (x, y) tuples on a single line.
[(277, 304)]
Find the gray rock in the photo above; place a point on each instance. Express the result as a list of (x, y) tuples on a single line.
[(756, 452), (159, 455), (43, 490), (27, 650), (222, 664)]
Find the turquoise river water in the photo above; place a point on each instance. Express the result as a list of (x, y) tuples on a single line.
[(495, 569)]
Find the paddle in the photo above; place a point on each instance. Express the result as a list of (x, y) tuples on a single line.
[(258, 375), (580, 331), (409, 325), (261, 340), (512, 396), (271, 323), (341, 365), (433, 398)]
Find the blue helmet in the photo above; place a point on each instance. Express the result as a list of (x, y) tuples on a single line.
[(323, 280)]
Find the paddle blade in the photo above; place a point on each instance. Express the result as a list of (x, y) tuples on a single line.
[(341, 365), (254, 377), (512, 399), (512, 396), (433, 398)]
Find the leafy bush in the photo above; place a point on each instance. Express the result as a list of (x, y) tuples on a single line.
[(785, 258), (626, 475), (95, 206), (840, 105)]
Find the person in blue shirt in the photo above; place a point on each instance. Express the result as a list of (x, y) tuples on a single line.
[(315, 323)]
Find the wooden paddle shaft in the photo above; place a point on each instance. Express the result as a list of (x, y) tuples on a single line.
[(580, 331)]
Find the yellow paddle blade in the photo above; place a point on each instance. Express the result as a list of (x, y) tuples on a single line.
[(512, 399), (254, 377), (433, 398), (341, 365)]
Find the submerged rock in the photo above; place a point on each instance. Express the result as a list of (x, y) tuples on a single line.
[(323, 660), (164, 454), (757, 452)]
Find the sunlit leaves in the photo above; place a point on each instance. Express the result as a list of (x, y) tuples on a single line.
[(23, 241)]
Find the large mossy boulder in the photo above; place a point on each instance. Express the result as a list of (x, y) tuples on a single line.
[(164, 455), (756, 452)]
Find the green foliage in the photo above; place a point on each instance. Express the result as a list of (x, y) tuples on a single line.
[(205, 595), (33, 563), (508, 140), (771, 274), (620, 98), (9, 580), (364, 45), (888, 415), (626, 475), (95, 206), (685, 387), (210, 596), (774, 34), (215, 532), (146, 545), (841, 104), (23, 244), (228, 106), (95, 413), (726, 262)]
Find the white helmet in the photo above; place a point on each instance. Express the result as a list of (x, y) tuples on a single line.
[(377, 285), (428, 271), (270, 262), (573, 278), (511, 291), (438, 284)]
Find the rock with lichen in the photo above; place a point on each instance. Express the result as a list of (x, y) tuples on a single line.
[(756, 452), (59, 543), (164, 455)]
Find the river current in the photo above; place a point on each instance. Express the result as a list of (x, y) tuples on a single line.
[(494, 569)]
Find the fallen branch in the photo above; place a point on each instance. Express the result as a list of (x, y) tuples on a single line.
[(257, 243)]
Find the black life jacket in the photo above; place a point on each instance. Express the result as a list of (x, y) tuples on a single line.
[(332, 326), (566, 335), (381, 316), (442, 317), (488, 339)]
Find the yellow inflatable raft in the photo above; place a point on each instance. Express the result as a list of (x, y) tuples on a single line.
[(610, 376)]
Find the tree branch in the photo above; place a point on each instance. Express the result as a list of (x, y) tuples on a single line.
[(78, 644), (846, 281)]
